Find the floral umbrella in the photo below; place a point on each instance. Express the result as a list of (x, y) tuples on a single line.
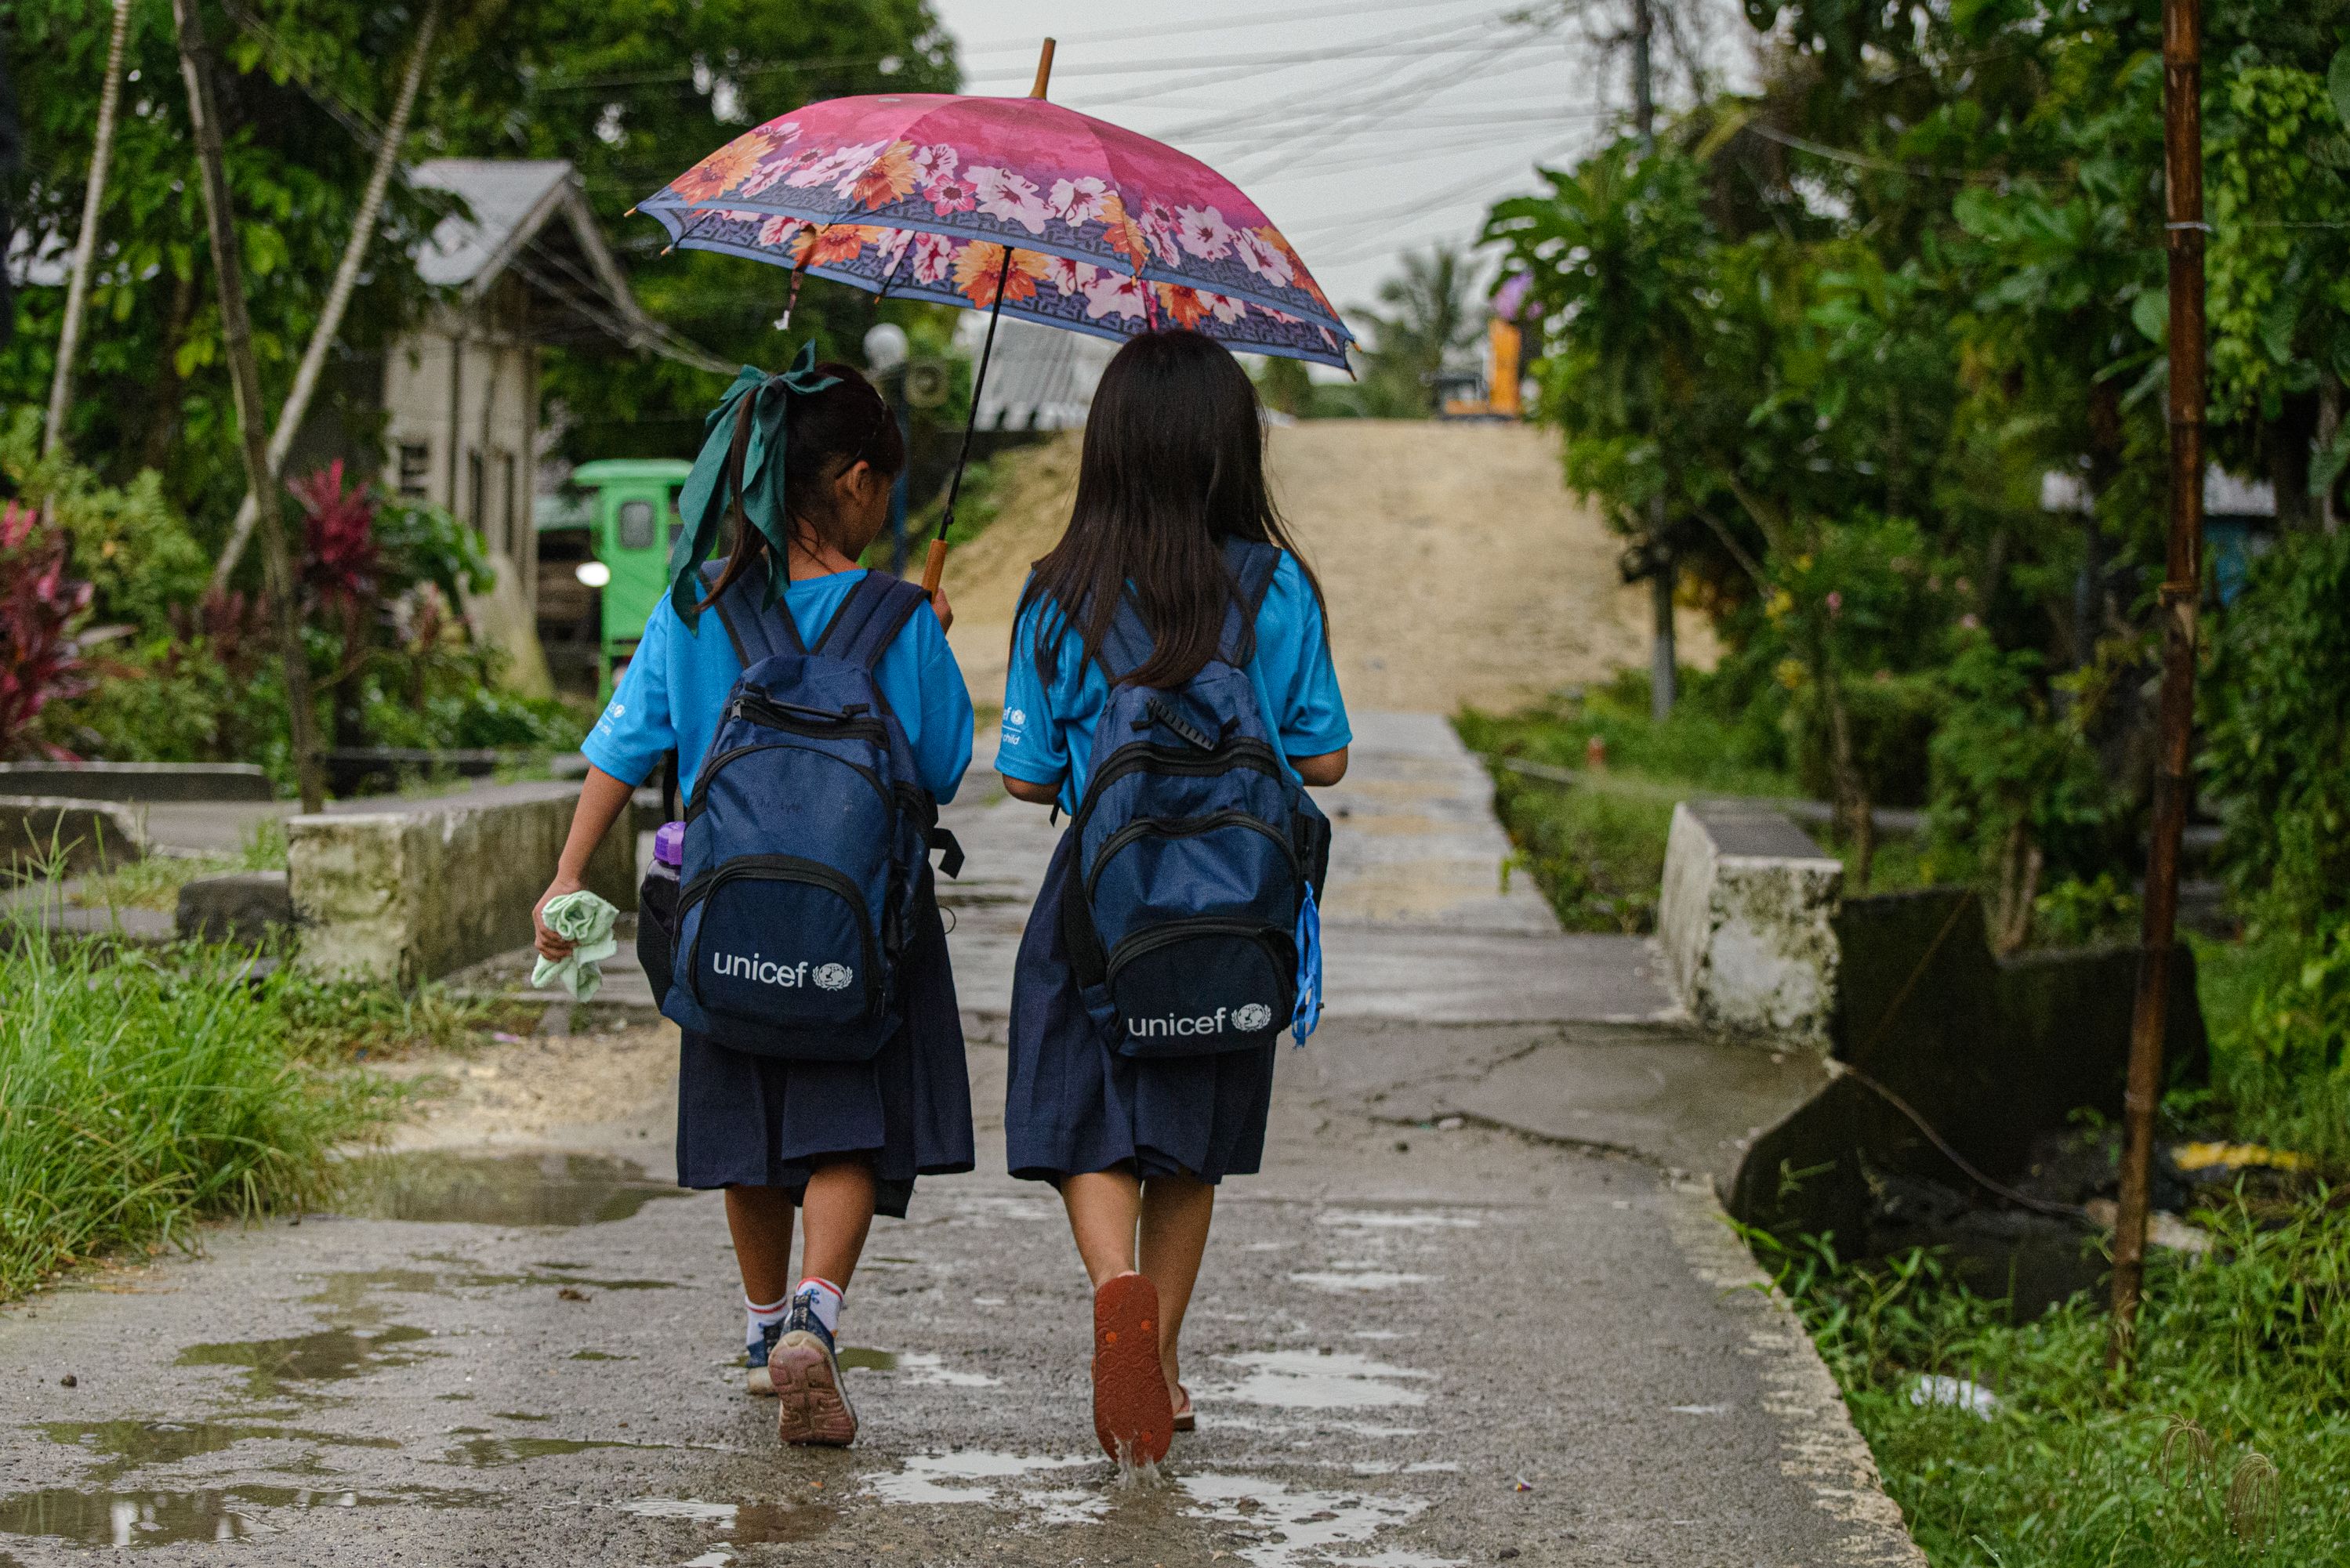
[(1014, 206)]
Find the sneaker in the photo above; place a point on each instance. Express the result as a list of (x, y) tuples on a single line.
[(805, 1373), (755, 1356), (1133, 1418)]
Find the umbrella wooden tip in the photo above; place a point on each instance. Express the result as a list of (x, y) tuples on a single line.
[(630, 214), (1043, 70)]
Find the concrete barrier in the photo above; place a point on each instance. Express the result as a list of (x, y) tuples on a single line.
[(1745, 918), (412, 894), (239, 907), (138, 781), (77, 836)]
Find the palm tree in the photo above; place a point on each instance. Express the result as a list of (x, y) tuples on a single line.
[(1431, 320)]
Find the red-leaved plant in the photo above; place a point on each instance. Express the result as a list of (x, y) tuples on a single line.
[(340, 565), (40, 661)]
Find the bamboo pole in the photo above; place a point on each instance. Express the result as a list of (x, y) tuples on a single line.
[(2182, 129), (236, 334), (85, 259), (339, 297)]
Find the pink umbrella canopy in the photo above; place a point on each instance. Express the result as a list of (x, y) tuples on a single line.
[(918, 195)]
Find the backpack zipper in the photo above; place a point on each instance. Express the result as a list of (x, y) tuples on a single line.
[(811, 721), (1186, 827), (781, 869), (695, 803), (1269, 938), (1254, 756)]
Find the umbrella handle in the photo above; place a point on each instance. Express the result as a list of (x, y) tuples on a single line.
[(935, 566)]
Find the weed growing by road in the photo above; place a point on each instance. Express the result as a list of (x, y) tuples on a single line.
[(2229, 1443), (142, 1090)]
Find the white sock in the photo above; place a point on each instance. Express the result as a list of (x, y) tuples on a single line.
[(757, 1318), (825, 1299)]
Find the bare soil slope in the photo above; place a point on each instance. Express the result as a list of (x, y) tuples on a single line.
[(1458, 568)]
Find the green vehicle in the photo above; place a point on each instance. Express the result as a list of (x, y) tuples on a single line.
[(603, 551)]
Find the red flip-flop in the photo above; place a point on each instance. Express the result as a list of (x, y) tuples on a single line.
[(1132, 1414)]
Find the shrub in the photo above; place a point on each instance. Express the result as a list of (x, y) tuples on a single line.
[(40, 661)]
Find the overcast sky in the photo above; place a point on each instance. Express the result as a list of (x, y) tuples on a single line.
[(1363, 128)]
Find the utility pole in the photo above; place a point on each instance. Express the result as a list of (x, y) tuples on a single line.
[(237, 335), (1664, 675), (109, 108), (2183, 146)]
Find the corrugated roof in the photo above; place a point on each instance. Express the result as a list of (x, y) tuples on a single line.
[(1039, 378), (510, 199)]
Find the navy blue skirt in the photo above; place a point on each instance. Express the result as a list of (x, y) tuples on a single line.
[(759, 1121), (1073, 1105)]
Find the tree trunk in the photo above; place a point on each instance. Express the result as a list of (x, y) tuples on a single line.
[(2289, 434), (237, 335), (2329, 428), (1858, 815), (163, 414), (338, 299), (109, 104)]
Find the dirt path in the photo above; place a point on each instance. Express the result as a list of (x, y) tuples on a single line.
[(1457, 542)]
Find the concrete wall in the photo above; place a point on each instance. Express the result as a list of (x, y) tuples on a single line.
[(410, 895), (138, 781), (77, 835), (1744, 921)]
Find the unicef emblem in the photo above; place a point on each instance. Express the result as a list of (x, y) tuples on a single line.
[(837, 976), (1250, 1017)]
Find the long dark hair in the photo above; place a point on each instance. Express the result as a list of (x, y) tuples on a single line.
[(825, 434), (1174, 466)]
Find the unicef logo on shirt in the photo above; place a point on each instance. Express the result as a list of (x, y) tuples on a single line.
[(1250, 1017), (833, 976)]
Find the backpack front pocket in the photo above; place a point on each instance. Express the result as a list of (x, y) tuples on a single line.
[(1200, 987), (780, 943)]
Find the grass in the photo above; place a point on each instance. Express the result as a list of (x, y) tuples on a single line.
[(153, 882), (2228, 1443), (144, 1090), (1595, 845)]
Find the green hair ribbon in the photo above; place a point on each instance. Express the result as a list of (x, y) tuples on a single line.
[(741, 469)]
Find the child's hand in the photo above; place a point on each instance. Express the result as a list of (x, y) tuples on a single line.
[(551, 946), (944, 611)]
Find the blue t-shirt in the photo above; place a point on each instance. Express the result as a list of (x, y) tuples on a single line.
[(1048, 731), (673, 690)]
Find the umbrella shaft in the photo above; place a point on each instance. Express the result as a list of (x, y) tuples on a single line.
[(978, 385)]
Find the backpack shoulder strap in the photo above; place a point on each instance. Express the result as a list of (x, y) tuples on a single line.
[(869, 620), (1254, 564), (757, 631)]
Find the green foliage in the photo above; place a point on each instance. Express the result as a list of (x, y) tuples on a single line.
[(141, 1092), (2009, 762), (2245, 1354), (1430, 322), (127, 542), (2278, 734)]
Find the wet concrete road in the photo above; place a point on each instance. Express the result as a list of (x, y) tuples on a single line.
[(1414, 1343)]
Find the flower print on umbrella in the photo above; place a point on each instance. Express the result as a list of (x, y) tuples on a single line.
[(888, 177), (1165, 235), (1114, 294), (889, 249), (1263, 257), (1124, 234), (1205, 232), (723, 169), (934, 258), (1225, 307), (949, 194), (935, 160), (838, 168), (780, 232), (1081, 201), (979, 266), (1069, 277), (1005, 196), (1187, 307), (839, 243)]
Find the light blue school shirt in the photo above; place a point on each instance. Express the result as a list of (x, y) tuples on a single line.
[(673, 690), (1049, 730)]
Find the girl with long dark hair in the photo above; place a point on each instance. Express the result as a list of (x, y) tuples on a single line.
[(1171, 516), (837, 1141)]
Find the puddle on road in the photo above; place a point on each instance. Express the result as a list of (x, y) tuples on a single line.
[(488, 1452), (445, 1186), (1342, 1280), (326, 1355), (1398, 1219), (130, 1445), (972, 1475), (1285, 1528), (741, 1523), (1308, 1380), (162, 1518)]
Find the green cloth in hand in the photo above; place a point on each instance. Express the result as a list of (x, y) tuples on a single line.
[(585, 920)]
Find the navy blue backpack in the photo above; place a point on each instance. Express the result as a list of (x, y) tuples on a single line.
[(1190, 912), (807, 837)]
